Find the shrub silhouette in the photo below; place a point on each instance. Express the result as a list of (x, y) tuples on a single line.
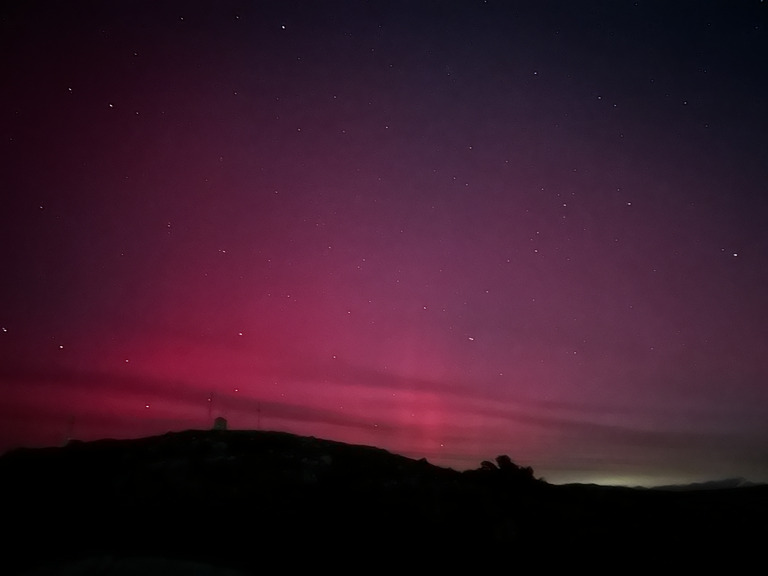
[(508, 471)]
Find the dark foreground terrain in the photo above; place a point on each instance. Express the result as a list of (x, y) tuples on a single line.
[(223, 502)]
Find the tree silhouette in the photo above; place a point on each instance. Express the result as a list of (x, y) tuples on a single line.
[(511, 471)]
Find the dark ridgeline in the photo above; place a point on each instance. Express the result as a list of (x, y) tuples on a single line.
[(249, 500)]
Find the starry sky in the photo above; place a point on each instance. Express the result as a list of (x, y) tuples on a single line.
[(452, 230)]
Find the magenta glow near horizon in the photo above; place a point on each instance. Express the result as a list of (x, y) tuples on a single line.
[(452, 231)]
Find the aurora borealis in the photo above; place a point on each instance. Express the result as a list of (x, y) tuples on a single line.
[(448, 229)]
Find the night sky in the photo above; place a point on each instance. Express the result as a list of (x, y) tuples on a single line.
[(452, 230)]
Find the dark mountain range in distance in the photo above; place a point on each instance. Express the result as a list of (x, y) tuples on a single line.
[(725, 483), (239, 500)]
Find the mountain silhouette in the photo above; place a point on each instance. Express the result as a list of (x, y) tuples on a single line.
[(236, 501)]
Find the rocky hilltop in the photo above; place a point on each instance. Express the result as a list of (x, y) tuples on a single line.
[(242, 500)]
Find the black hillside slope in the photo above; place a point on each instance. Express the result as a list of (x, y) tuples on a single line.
[(241, 499)]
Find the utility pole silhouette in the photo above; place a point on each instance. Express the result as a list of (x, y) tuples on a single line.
[(70, 430), (210, 408)]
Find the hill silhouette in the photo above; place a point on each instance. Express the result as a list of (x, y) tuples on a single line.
[(236, 501)]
